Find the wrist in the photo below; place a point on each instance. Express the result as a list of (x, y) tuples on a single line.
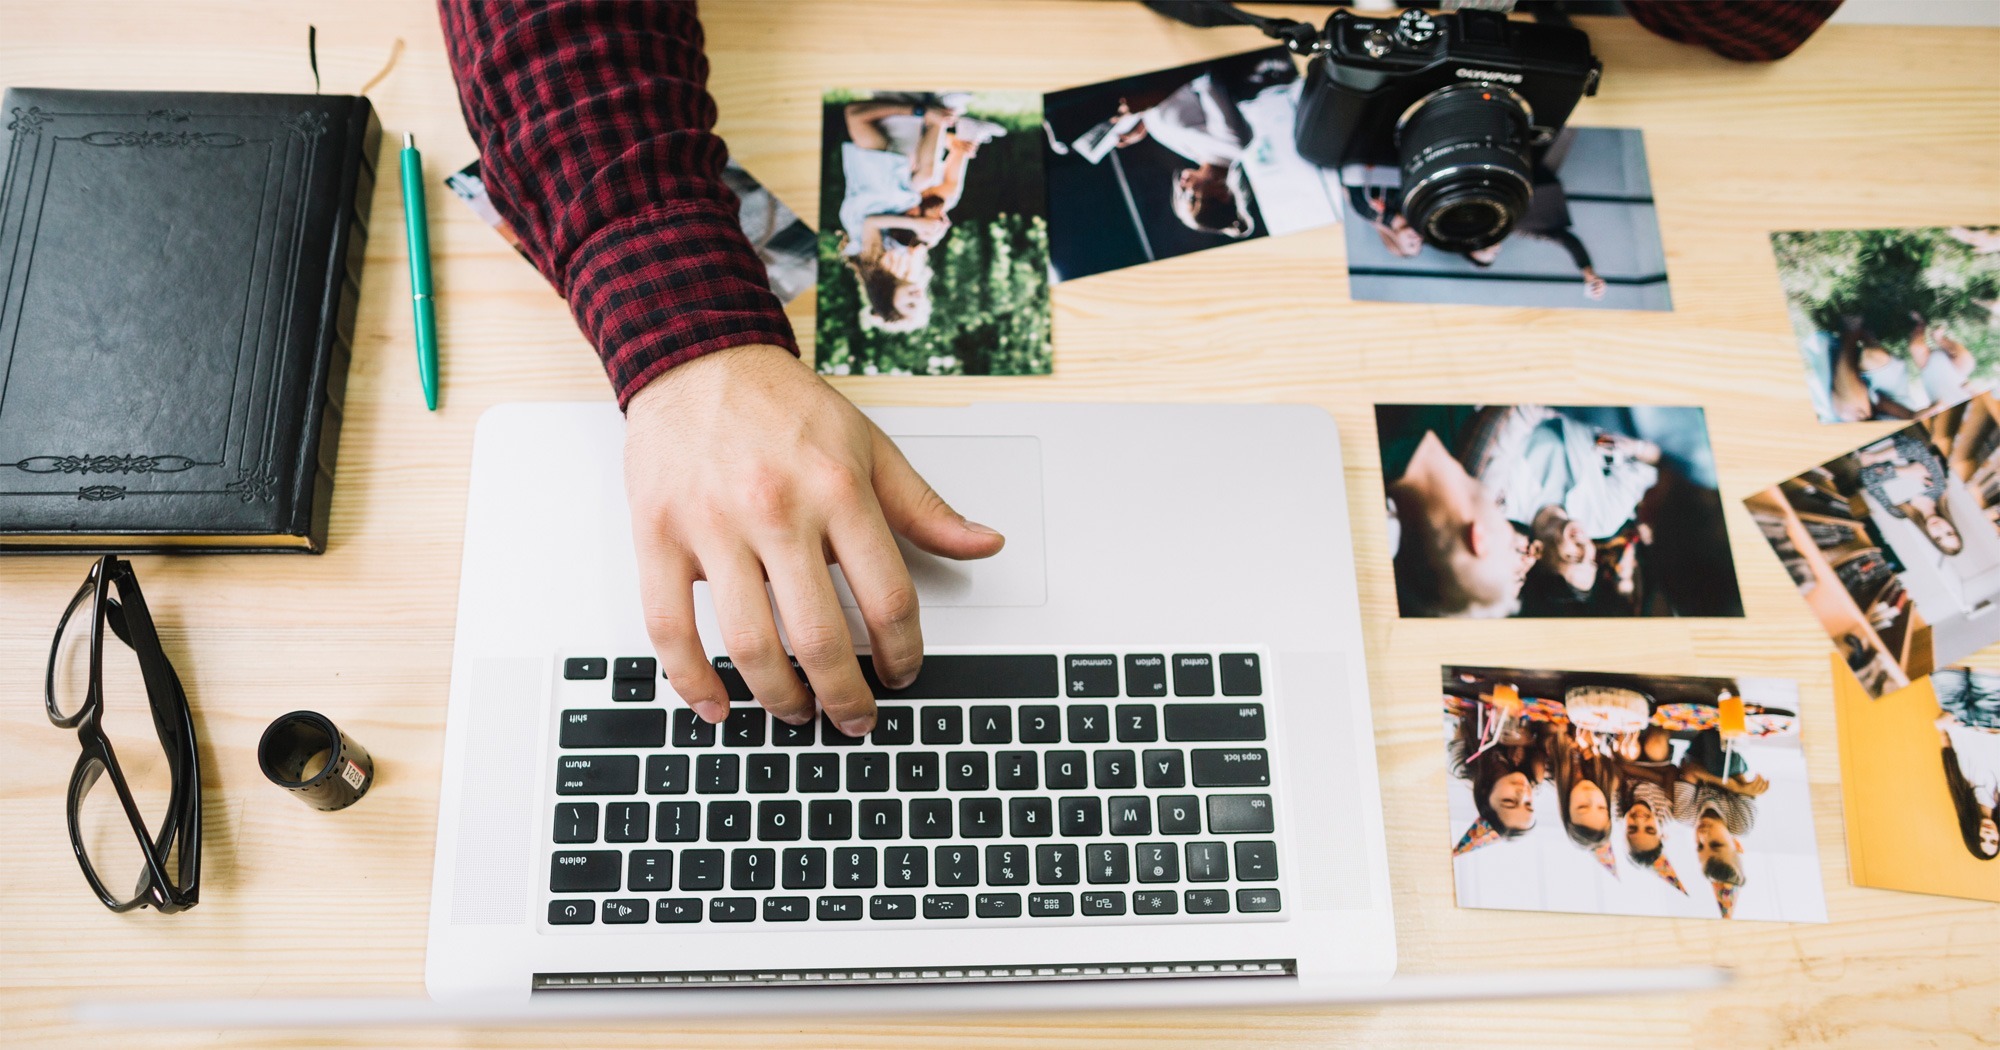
[(700, 376)]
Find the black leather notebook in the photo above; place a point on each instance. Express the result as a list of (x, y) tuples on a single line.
[(179, 275)]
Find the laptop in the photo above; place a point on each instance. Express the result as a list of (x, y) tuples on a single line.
[(1136, 770)]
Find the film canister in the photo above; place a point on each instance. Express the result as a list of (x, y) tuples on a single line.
[(340, 769)]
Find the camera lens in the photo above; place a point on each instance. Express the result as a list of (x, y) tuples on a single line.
[(1466, 172)]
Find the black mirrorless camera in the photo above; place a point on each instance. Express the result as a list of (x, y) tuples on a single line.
[(1460, 102)]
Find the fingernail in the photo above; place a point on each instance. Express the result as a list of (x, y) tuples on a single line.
[(857, 726), (713, 711), (977, 527)]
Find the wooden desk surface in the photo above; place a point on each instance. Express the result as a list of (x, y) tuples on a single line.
[(1866, 126)]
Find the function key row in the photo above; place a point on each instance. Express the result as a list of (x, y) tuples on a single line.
[(934, 725), (950, 676), (769, 773), (823, 820), (891, 906)]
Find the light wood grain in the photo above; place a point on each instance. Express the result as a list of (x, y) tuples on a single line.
[(1864, 127)]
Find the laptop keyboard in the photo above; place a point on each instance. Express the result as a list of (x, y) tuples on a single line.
[(1013, 789)]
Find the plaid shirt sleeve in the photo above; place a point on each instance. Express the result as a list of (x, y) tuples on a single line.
[(595, 133), (1745, 30)]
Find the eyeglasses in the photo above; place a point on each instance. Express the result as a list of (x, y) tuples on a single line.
[(145, 831)]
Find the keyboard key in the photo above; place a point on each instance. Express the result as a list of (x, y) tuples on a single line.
[(744, 727), (974, 677), (831, 736), (666, 774), (1145, 675), (1041, 724), (1157, 862), (785, 734), (1107, 902), (572, 913), (584, 668), (1240, 676), (1065, 769), (1030, 818), (867, 771), (892, 906), (1257, 900), (1130, 814), (717, 774), (1089, 724), (1051, 905), (753, 869), (1115, 769), (1006, 865), (626, 912), (829, 819), (992, 725), (787, 909), (881, 818), (1215, 721), (1155, 902), (942, 725), (854, 867), (1207, 902), (1015, 771), (998, 905), (946, 906), (1137, 723), (965, 771), (1165, 769), (649, 869), (678, 909), (576, 822), (916, 771), (1207, 862), (957, 866), (1077, 816), (1239, 814), (906, 866), (930, 818), (732, 909), (628, 689), (677, 821), (893, 725), (1180, 815), (766, 774), (1107, 863), (779, 820), (634, 667), (691, 731), (1256, 862), (1194, 675), (1230, 767), (1091, 676), (729, 822), (732, 681), (1056, 864), (584, 871), (839, 909), (628, 822), (819, 772), (804, 868), (597, 775), (633, 729)]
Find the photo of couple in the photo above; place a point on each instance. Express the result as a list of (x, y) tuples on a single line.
[(1629, 795), (1540, 511), (1182, 160), (933, 249), (1893, 324), (1590, 236), (1895, 545)]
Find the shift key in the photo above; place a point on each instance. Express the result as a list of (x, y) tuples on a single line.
[(604, 728), (1215, 722), (1231, 767)]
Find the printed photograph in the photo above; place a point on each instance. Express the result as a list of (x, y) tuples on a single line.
[(1893, 324), (1590, 238), (1179, 161), (1895, 545), (1534, 510), (934, 235), (1621, 794), (1920, 772), (782, 240)]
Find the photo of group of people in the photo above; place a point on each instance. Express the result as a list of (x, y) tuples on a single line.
[(1540, 511), (1182, 160), (1896, 545), (1920, 770), (1629, 795), (934, 241), (1590, 236), (1895, 323)]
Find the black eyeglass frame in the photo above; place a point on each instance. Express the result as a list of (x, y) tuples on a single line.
[(132, 623)]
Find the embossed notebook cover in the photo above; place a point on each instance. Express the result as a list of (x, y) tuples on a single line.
[(179, 274)]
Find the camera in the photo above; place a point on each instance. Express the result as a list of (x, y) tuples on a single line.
[(1462, 103)]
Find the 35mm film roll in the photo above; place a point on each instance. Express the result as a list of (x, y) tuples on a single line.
[(295, 743)]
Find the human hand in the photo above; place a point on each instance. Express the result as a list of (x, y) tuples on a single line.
[(1593, 285), (741, 466), (1753, 787)]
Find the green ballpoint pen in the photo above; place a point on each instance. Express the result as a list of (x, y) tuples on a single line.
[(417, 222)]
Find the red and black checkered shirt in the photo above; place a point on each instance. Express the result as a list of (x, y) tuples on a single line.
[(595, 138), (1745, 30)]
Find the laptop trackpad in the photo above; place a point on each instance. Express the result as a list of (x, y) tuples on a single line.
[(993, 480)]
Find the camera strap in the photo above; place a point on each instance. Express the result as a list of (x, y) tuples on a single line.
[(1301, 37)]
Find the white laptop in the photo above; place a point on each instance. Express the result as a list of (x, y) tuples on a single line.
[(1137, 769)]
